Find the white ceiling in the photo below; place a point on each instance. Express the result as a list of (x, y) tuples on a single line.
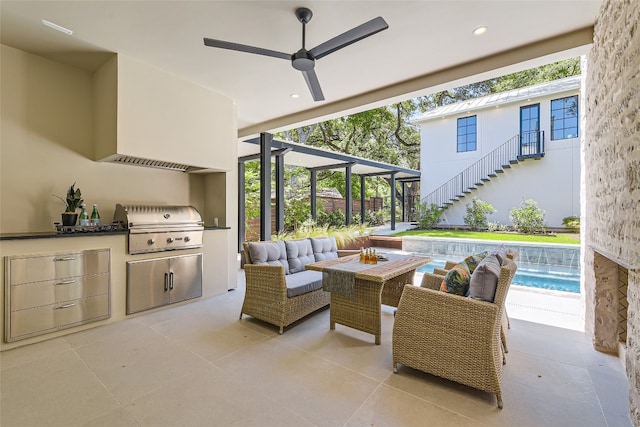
[(424, 37)]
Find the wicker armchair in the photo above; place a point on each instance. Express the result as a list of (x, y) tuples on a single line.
[(434, 280), (266, 296), (453, 337), (506, 324)]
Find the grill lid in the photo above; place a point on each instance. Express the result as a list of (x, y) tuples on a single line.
[(157, 217)]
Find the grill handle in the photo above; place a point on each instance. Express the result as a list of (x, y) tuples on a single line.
[(166, 282)]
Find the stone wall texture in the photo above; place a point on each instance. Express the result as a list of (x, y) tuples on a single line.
[(612, 181)]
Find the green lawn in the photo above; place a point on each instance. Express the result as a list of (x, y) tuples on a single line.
[(562, 238)]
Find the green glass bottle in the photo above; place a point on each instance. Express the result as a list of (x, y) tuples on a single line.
[(84, 216), (95, 216)]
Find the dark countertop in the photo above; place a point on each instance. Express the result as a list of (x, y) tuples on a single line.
[(53, 234)]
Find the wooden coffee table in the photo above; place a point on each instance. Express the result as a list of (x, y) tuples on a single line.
[(381, 284)]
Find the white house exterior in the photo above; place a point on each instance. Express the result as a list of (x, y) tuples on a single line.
[(456, 136)]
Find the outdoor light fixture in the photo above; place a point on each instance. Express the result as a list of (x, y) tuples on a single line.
[(295, 96), (480, 30), (57, 27)]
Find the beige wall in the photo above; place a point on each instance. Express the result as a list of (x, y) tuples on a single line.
[(47, 145), (612, 183), (48, 141)]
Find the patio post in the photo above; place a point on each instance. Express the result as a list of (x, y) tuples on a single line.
[(279, 173), (265, 186), (242, 214), (392, 183), (314, 206), (362, 194), (403, 185), (347, 194)]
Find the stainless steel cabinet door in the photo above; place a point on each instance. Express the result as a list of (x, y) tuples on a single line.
[(147, 284), (185, 277)]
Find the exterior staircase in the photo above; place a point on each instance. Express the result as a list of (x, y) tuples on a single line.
[(520, 147)]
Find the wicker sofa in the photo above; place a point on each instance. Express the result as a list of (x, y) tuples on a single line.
[(278, 288), (453, 337)]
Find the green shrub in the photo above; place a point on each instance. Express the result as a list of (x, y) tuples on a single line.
[(429, 215), (571, 221), (528, 218), (373, 218), (477, 211), (496, 226), (331, 219)]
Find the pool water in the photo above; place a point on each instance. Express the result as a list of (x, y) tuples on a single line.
[(534, 276)]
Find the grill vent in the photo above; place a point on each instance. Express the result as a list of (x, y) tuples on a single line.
[(137, 161)]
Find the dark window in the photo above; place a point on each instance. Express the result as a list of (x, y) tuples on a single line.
[(564, 118), (467, 134)]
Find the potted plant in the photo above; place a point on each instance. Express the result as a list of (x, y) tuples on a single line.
[(72, 203)]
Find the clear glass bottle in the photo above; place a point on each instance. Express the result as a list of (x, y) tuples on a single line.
[(95, 216), (84, 216)]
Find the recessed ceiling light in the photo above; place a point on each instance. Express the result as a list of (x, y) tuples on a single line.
[(480, 30), (57, 27), (295, 96)]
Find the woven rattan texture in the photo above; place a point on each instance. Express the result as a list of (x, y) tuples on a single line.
[(266, 296), (453, 337)]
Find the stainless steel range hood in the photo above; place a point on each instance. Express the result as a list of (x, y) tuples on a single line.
[(137, 161)]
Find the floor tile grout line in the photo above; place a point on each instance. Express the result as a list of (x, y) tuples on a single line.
[(123, 407)]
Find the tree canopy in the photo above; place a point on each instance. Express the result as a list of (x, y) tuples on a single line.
[(385, 134)]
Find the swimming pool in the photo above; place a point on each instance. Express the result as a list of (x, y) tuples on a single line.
[(535, 276)]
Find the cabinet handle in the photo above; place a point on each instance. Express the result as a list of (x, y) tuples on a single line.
[(64, 282), (171, 280), (60, 307), (166, 282), (66, 258)]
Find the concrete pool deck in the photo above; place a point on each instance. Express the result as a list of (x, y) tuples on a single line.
[(553, 308)]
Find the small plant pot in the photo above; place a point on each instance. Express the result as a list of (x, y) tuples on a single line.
[(69, 218)]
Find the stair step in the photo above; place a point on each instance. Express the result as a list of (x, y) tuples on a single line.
[(486, 179), (506, 166), (473, 188), (514, 162), (493, 175), (499, 171), (466, 191), (480, 183)]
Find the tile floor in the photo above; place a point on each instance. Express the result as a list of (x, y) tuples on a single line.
[(198, 365)]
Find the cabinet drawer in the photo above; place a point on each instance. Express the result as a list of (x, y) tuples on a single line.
[(37, 294), (40, 320), (59, 266)]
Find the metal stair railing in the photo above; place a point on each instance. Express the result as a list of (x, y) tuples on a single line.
[(486, 168)]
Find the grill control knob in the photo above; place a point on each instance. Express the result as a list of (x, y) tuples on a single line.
[(187, 238), (151, 241), (169, 239)]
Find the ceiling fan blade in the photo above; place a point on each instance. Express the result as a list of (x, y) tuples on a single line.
[(314, 85), (244, 48), (353, 35)]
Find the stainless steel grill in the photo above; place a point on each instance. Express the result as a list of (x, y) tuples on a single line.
[(160, 228)]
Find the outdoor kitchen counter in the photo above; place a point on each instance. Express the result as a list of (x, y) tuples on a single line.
[(219, 270)]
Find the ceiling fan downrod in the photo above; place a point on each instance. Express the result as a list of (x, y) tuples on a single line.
[(302, 60)]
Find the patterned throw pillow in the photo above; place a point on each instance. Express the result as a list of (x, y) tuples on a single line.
[(457, 280), (472, 261)]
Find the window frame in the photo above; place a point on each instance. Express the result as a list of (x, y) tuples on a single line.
[(464, 147), (565, 129)]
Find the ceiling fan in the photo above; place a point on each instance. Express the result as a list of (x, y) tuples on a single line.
[(304, 60)]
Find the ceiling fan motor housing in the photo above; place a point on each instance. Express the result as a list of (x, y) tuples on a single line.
[(302, 60)]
